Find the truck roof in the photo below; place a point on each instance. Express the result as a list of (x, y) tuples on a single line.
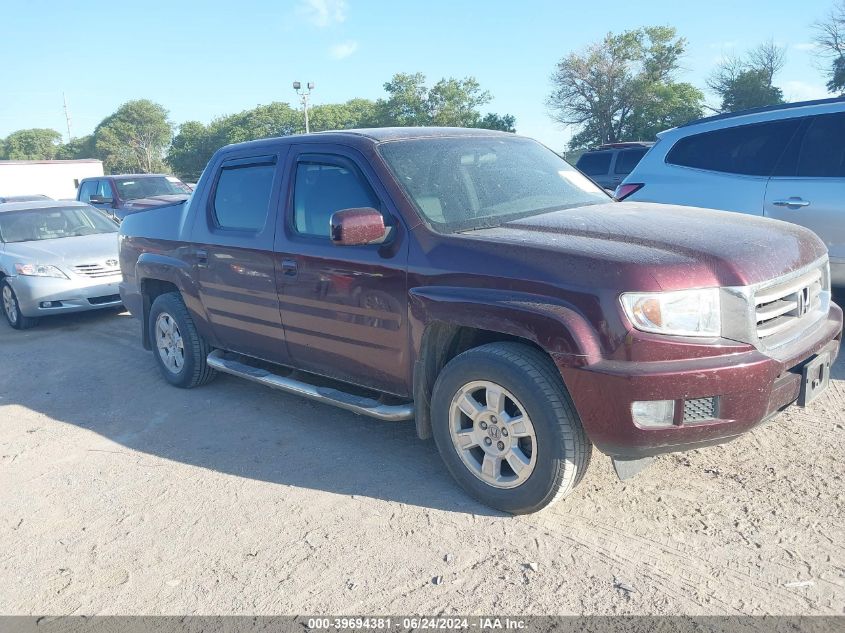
[(378, 135), (396, 133), (40, 204)]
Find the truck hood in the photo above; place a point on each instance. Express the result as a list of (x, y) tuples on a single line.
[(678, 247), (67, 251), (154, 201)]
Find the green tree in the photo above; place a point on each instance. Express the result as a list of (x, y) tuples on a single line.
[(31, 144), (492, 121), (747, 82), (450, 102), (82, 147), (407, 101), (668, 105), (354, 113), (455, 102), (830, 40), (134, 138), (265, 121), (195, 143), (190, 150), (623, 88)]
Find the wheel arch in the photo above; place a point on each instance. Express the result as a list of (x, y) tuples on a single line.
[(158, 274), (448, 321)]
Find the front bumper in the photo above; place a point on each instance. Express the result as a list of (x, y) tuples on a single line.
[(837, 272), (751, 386), (42, 296)]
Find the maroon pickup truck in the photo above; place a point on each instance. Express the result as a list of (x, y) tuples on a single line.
[(474, 282)]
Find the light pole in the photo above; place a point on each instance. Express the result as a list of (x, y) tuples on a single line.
[(303, 96)]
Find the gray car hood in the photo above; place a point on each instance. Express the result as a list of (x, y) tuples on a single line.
[(67, 251)]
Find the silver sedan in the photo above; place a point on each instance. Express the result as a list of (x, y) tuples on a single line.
[(56, 257)]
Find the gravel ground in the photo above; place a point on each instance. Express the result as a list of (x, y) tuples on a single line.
[(123, 495)]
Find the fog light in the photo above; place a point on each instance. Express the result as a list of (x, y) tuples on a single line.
[(651, 414)]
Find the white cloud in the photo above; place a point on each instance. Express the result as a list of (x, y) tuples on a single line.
[(323, 13), (805, 46), (802, 90), (343, 49)]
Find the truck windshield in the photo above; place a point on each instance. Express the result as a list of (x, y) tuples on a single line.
[(150, 186), (466, 183), (30, 225)]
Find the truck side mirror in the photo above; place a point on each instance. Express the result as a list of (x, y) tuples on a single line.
[(353, 227), (99, 200)]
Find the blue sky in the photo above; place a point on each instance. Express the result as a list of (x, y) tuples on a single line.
[(205, 59)]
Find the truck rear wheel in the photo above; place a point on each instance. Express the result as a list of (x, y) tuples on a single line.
[(507, 429), (178, 348)]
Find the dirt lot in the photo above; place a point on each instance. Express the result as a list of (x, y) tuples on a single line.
[(120, 494)]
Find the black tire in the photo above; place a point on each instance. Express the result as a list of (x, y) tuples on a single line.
[(563, 450), (16, 319), (194, 370)]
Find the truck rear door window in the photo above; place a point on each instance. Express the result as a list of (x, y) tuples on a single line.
[(242, 196)]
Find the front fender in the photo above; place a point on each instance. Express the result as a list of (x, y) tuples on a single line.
[(558, 328), (555, 326)]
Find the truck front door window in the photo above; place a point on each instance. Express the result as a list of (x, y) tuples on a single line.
[(87, 189), (321, 190), (104, 190)]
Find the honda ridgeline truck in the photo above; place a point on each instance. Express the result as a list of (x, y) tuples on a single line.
[(474, 282)]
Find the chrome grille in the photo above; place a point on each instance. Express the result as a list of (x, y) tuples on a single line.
[(106, 269), (783, 306)]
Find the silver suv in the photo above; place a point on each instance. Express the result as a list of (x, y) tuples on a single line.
[(784, 162)]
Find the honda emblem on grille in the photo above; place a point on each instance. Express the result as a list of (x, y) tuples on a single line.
[(803, 301), (112, 262)]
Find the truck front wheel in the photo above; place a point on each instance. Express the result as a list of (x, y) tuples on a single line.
[(507, 429), (179, 350)]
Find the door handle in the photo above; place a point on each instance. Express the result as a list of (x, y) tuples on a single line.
[(202, 258), (792, 202), (289, 267)]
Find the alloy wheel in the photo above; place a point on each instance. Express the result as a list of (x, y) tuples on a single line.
[(10, 307), (492, 434), (169, 342)]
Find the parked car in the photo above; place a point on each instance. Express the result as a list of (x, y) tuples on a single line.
[(475, 282), (130, 193), (29, 198), (56, 257), (784, 162), (608, 164)]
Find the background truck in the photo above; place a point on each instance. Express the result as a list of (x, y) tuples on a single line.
[(476, 283), (119, 195)]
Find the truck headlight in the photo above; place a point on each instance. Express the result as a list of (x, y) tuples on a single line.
[(39, 270), (680, 312)]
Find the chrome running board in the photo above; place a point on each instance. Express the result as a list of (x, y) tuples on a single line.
[(228, 364)]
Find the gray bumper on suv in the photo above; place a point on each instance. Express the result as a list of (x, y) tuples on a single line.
[(41, 296)]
